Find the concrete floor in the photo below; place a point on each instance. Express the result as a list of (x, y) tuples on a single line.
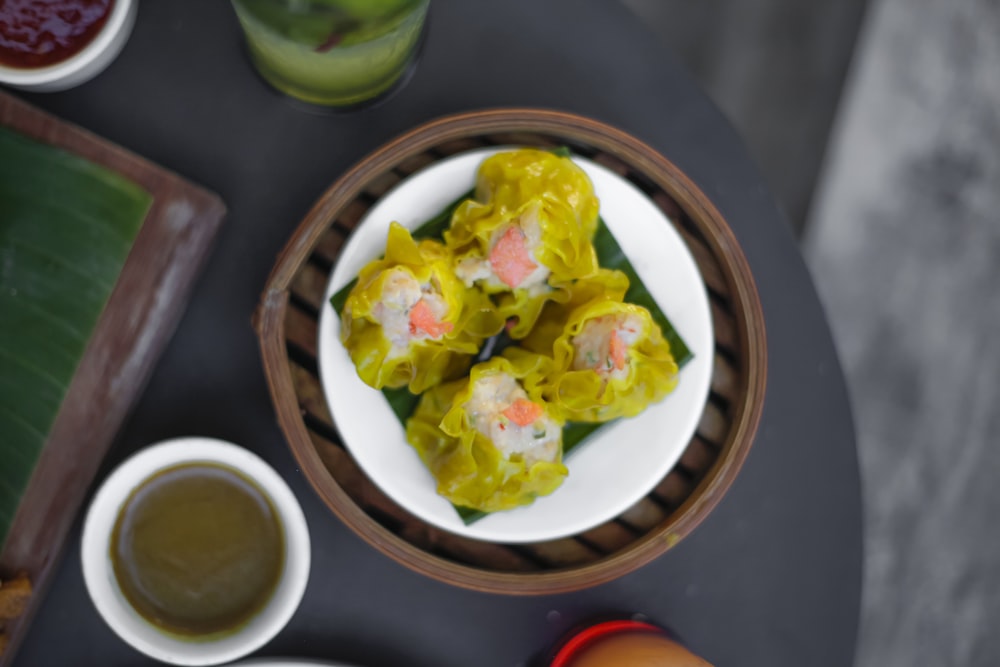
[(775, 67), (905, 246), (901, 224)]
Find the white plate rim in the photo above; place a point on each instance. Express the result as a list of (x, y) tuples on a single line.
[(695, 329)]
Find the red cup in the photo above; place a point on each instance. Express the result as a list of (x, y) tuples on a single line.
[(624, 643)]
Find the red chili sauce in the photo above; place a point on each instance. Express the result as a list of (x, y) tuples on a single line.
[(38, 33)]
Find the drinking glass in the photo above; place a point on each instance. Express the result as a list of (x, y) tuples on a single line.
[(332, 52)]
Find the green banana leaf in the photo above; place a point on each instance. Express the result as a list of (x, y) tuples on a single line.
[(66, 227), (609, 255)]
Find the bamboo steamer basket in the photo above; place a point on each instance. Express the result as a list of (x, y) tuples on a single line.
[(287, 321)]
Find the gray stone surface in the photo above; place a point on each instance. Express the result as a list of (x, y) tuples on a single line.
[(904, 243), (775, 67)]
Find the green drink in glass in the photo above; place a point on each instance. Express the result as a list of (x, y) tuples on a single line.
[(332, 52)]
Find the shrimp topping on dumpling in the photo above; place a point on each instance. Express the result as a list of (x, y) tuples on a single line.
[(511, 262), (408, 310)]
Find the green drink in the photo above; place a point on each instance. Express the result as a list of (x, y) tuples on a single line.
[(332, 52)]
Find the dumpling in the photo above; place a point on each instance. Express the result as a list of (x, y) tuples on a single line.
[(409, 321), (528, 231), (611, 361), (490, 440), (605, 284)]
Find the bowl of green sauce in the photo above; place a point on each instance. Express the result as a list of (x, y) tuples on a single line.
[(195, 551)]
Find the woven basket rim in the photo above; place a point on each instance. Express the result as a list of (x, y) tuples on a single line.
[(270, 317)]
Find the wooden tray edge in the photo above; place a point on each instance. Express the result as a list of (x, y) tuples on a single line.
[(167, 256)]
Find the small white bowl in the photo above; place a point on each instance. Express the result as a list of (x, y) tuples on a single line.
[(84, 65), (102, 585)]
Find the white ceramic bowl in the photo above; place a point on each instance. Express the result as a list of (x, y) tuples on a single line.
[(112, 604), (84, 65)]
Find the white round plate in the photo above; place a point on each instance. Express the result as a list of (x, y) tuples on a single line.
[(611, 470)]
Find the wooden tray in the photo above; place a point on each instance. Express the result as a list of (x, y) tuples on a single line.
[(141, 315), (287, 324)]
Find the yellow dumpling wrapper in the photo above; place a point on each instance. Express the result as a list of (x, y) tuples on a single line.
[(522, 308), (551, 324), (548, 204), (470, 468), (409, 321), (599, 376)]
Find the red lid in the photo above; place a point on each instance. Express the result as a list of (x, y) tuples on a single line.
[(588, 636)]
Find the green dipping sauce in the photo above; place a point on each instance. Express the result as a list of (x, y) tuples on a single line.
[(198, 550)]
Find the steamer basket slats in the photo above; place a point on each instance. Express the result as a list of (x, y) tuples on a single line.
[(725, 378), (675, 488), (562, 553), (714, 424), (310, 395), (646, 514), (698, 457), (300, 330), (287, 323), (609, 537), (725, 328)]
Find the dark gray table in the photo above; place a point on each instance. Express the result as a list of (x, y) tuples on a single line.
[(771, 578)]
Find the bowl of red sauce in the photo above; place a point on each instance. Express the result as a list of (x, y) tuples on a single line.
[(50, 45)]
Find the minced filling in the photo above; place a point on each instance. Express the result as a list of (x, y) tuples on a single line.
[(604, 343), (497, 393), (400, 316)]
